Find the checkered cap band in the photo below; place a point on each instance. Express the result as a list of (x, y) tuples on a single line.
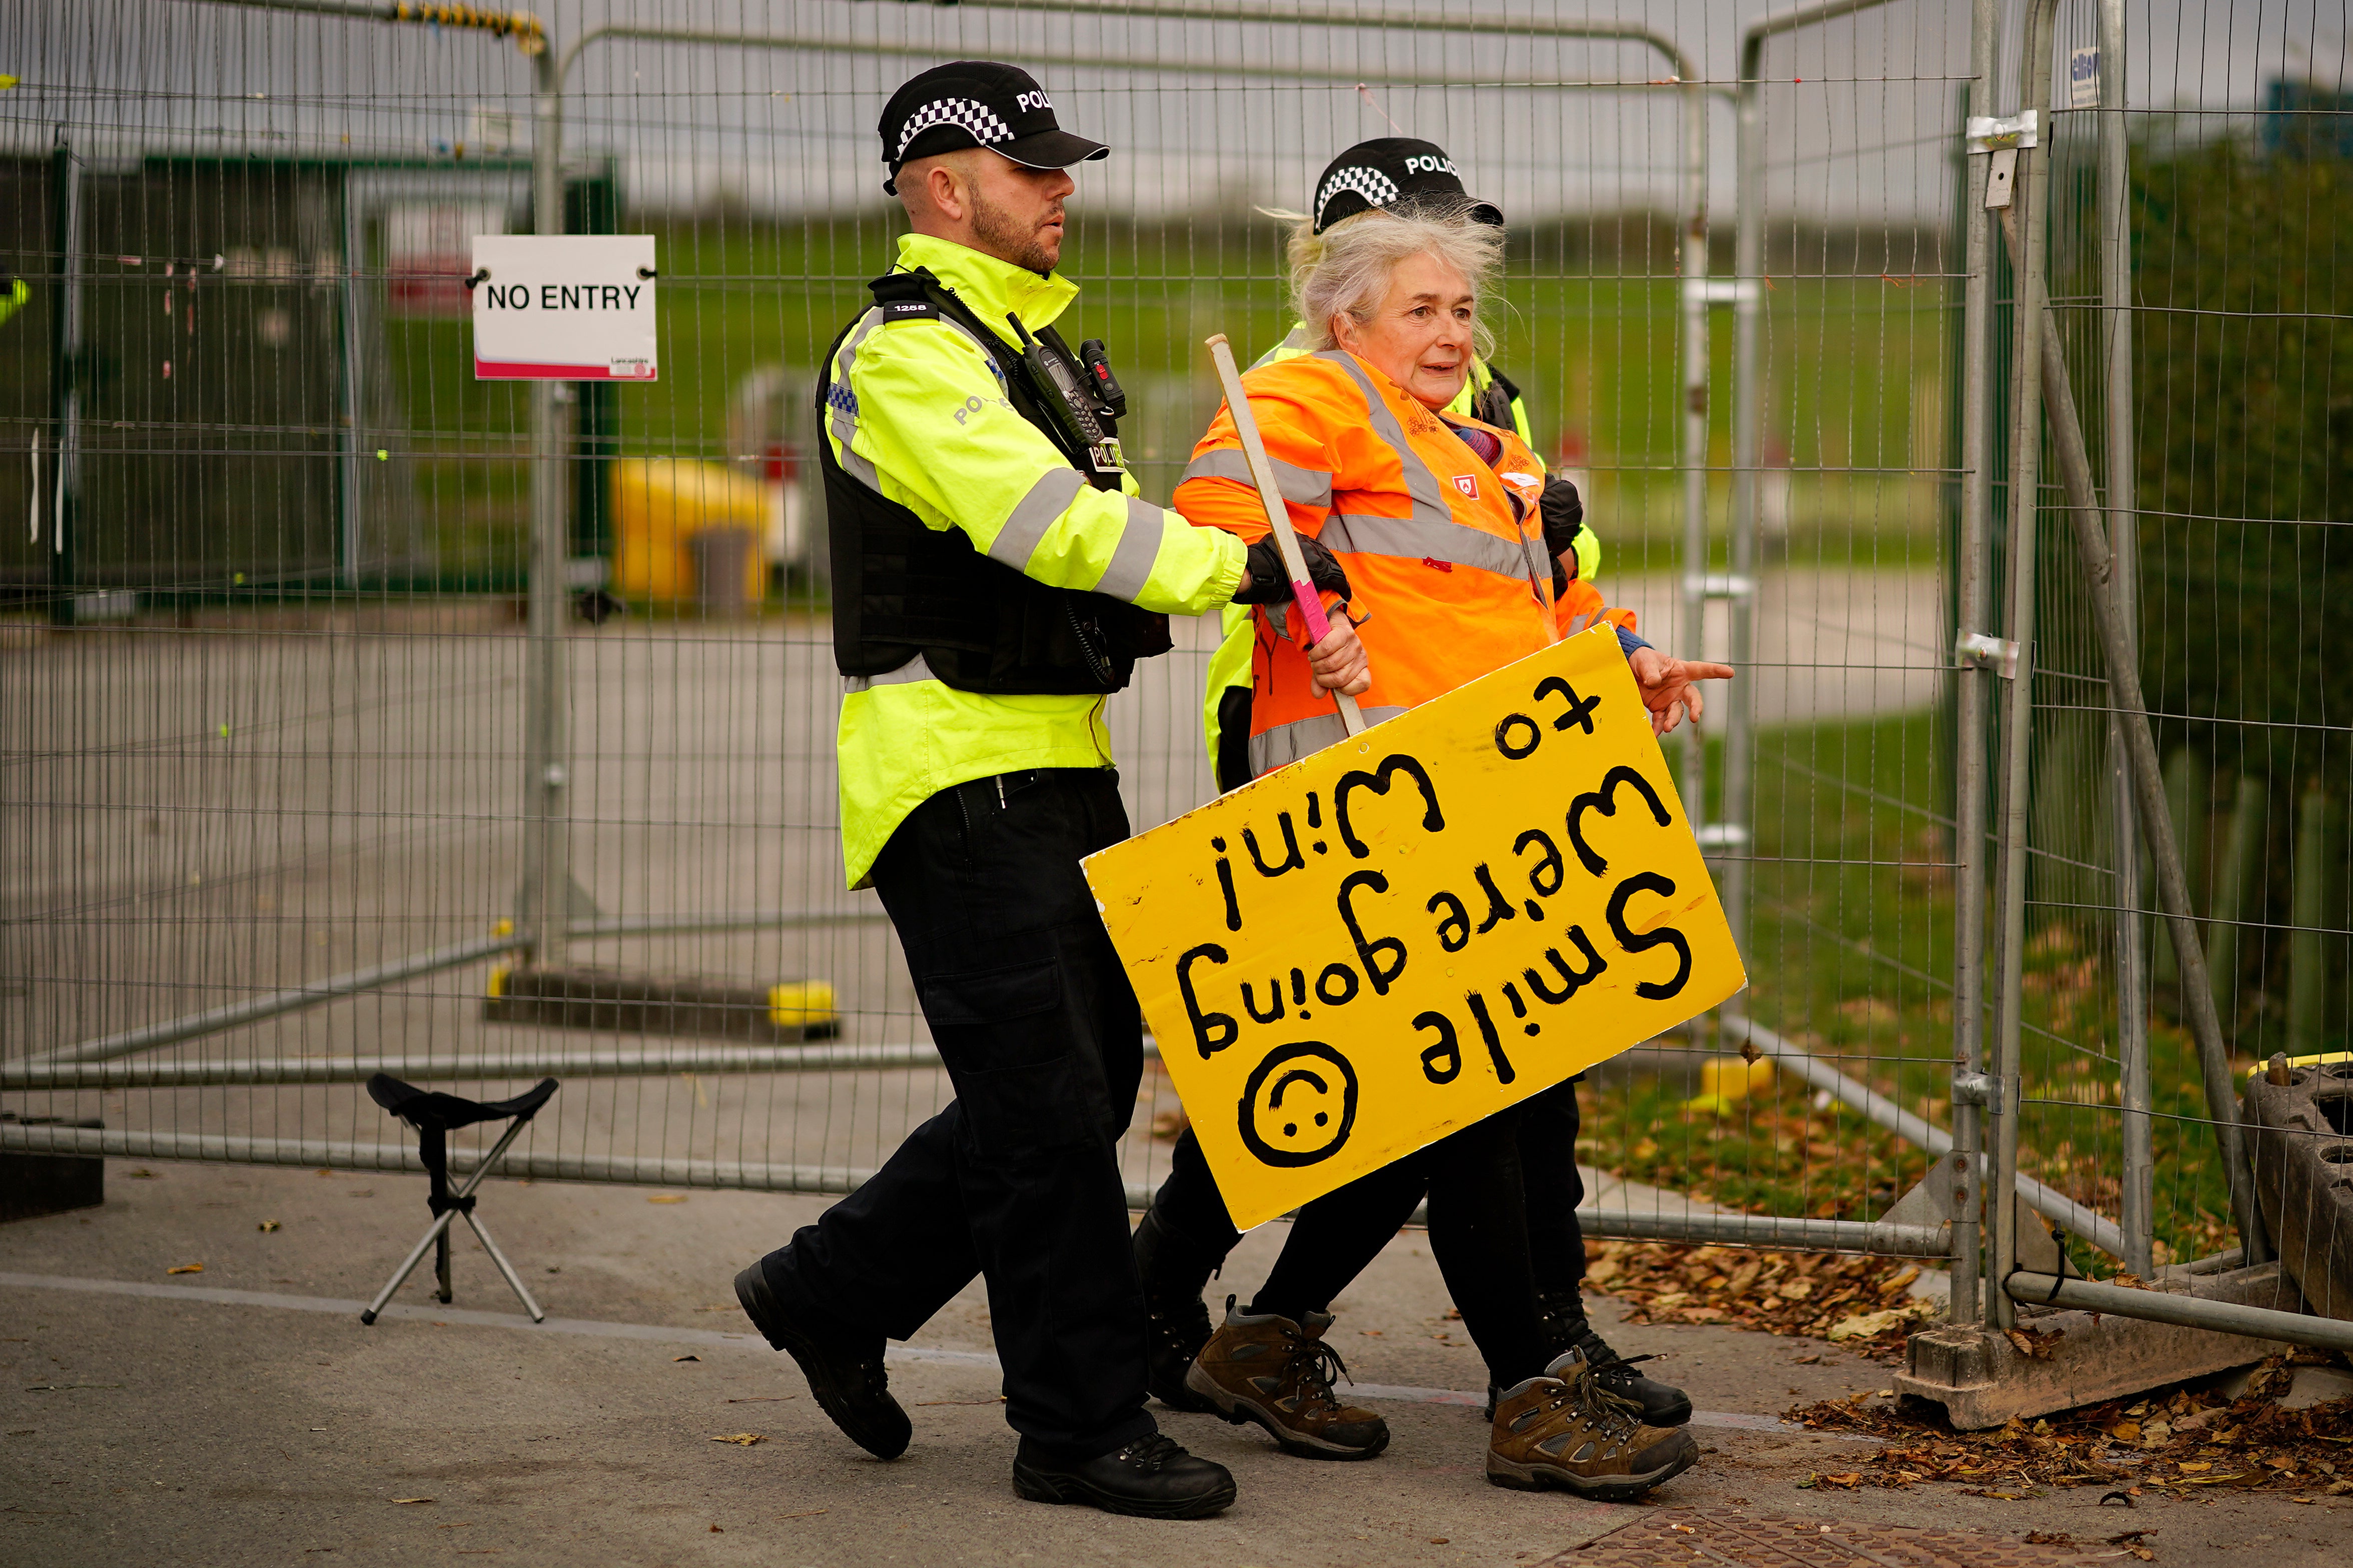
[(1370, 184), (976, 118)]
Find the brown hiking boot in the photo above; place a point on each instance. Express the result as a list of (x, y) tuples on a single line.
[(1273, 1371), (1564, 1430)]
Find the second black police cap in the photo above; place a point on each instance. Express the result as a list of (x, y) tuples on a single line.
[(1391, 172), (977, 103)]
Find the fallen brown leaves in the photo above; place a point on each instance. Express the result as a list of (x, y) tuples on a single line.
[(1866, 1302), (2171, 1443), (2131, 1541)]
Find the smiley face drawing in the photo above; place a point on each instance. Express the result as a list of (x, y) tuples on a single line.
[(1299, 1105)]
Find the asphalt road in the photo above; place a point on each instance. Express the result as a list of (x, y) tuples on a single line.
[(147, 1422)]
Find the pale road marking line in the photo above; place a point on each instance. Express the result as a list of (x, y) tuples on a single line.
[(595, 1328)]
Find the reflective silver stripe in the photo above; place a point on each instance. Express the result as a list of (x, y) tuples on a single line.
[(1578, 622), (1421, 486), (843, 424), (1139, 547), (1421, 538), (1286, 744), (1303, 487), (1455, 544), (914, 669), (1033, 514)]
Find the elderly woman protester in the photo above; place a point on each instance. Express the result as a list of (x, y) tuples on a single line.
[(1189, 1234), (1434, 517)]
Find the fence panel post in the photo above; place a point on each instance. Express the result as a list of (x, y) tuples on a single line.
[(2134, 1096)]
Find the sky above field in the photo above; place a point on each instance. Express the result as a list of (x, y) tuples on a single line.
[(1205, 114)]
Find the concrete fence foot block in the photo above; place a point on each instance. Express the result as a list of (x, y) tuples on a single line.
[(701, 1006), (32, 1185), (1984, 1378)]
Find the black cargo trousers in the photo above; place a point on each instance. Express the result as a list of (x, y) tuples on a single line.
[(1018, 1178)]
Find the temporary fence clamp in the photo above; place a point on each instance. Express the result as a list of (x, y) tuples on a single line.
[(1719, 290), (1982, 650), (1986, 133), (1722, 835), (2001, 139), (1980, 1089), (1720, 585)]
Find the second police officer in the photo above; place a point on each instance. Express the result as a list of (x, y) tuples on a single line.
[(996, 576)]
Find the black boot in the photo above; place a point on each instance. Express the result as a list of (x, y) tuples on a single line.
[(1566, 1328), (844, 1370), (1152, 1477), (1174, 1275)]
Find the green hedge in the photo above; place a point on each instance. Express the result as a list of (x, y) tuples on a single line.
[(2244, 385)]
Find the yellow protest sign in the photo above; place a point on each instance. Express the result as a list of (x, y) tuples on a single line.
[(1407, 932)]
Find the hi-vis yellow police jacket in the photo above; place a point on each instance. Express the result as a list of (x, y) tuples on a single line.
[(915, 410)]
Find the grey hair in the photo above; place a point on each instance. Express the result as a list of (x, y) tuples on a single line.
[(1346, 270)]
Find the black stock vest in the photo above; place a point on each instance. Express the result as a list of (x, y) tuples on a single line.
[(901, 589)]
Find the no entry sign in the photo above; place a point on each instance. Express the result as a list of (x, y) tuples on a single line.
[(572, 307), (1413, 929)]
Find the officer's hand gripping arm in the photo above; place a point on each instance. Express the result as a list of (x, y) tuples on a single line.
[(1265, 581)]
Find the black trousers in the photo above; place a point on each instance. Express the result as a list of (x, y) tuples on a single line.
[(1018, 1178), (1478, 1231), (1190, 1205)]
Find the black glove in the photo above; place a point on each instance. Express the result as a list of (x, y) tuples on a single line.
[(1564, 519), (1265, 582)]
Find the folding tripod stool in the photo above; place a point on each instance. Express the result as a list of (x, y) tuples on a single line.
[(434, 1114)]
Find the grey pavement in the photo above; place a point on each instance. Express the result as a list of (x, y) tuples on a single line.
[(271, 1428)]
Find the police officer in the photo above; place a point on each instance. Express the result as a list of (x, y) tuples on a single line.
[(996, 576), (1187, 1233)]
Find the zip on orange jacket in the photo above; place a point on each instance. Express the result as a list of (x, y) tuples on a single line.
[(1443, 549)]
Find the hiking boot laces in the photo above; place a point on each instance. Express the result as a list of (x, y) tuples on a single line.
[(1180, 1330), (1607, 1364), (1618, 1371), (876, 1378), (1151, 1454), (1317, 1366), (1617, 1416)]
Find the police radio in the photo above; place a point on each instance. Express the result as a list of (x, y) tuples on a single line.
[(1081, 395)]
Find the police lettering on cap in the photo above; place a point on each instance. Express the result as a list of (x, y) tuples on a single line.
[(1391, 172), (977, 103)]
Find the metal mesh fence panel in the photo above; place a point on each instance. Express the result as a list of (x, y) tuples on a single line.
[(1830, 588), (2194, 278), (339, 688), (284, 802)]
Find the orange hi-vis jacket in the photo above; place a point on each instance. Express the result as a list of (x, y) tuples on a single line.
[(1444, 551)]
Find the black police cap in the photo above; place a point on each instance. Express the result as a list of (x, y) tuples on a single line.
[(1394, 172), (977, 103)]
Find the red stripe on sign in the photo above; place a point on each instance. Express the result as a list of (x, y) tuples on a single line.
[(502, 370)]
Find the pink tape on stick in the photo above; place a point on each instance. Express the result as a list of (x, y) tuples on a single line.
[(1311, 610)]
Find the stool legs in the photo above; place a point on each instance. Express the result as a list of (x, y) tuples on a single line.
[(439, 1233), (438, 1238), (514, 1280)]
